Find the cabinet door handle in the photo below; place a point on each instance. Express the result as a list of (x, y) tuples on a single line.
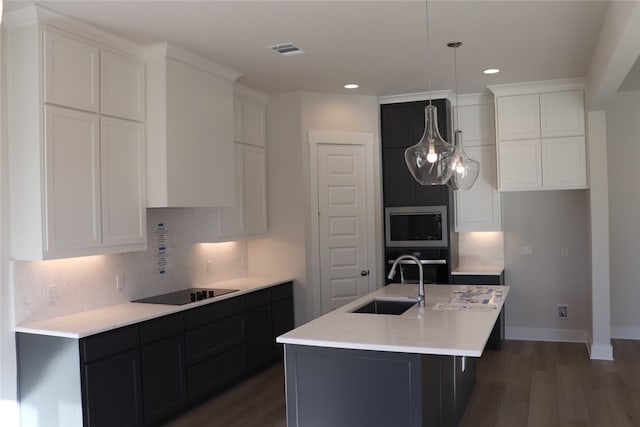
[(364, 273)]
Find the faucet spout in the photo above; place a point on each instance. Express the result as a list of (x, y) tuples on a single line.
[(392, 273)]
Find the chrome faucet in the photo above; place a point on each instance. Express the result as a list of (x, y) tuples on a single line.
[(392, 273)]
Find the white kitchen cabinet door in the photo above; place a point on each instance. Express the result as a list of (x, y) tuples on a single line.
[(199, 139), (72, 150), (518, 117), (255, 191), (71, 71), (478, 209), (238, 119), (253, 121), (564, 163), (477, 124), (231, 218), (123, 183), (562, 114), (121, 86), (519, 165), (249, 121)]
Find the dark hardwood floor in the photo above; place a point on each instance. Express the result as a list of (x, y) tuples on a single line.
[(526, 384)]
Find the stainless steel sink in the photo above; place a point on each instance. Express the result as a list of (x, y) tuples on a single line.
[(382, 306)]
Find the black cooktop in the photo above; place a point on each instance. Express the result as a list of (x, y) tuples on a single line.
[(185, 296)]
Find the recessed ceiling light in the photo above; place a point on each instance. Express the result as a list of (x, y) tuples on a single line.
[(351, 86), (491, 71)]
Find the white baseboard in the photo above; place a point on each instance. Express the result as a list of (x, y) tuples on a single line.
[(600, 352), (625, 333), (545, 334)]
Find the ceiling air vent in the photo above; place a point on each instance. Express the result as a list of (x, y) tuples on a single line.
[(286, 48)]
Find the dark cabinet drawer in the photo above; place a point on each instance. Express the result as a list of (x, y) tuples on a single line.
[(257, 299), (260, 337), (282, 291), (160, 328), (216, 372), (109, 343), (214, 338), (212, 312)]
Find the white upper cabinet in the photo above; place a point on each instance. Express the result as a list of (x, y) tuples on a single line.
[(562, 114), (71, 68), (76, 184), (122, 86), (541, 136), (72, 181), (478, 209), (190, 156), (122, 154), (247, 218), (518, 117)]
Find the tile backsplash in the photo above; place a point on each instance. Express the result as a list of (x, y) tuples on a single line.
[(481, 249), (88, 283)]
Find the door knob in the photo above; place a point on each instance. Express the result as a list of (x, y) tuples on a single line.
[(364, 273)]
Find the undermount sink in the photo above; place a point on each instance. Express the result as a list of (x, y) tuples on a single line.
[(382, 306)]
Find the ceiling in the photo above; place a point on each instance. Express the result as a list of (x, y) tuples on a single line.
[(381, 45)]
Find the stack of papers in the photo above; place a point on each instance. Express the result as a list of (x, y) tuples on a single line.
[(474, 298)]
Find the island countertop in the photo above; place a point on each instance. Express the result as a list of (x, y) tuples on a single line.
[(418, 330)]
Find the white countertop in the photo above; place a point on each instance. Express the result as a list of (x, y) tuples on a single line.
[(418, 330), (92, 322), (477, 270)]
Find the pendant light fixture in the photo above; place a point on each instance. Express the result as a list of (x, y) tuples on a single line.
[(465, 169), (430, 160)]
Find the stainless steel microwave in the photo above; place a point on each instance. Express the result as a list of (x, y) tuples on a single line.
[(416, 226)]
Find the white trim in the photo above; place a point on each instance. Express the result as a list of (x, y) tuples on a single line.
[(625, 333), (538, 87), (165, 49), (314, 138), (601, 352), (250, 93), (418, 96), (475, 99), (546, 334), (37, 14)]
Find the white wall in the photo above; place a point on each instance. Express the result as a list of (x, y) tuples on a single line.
[(623, 143), (8, 375), (289, 118), (547, 221)]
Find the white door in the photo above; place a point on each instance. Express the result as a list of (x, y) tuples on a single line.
[(344, 224)]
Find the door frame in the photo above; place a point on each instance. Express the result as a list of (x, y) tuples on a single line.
[(367, 140)]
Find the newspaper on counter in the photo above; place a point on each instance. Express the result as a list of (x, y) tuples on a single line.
[(474, 298)]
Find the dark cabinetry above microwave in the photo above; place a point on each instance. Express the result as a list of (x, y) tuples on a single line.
[(402, 125)]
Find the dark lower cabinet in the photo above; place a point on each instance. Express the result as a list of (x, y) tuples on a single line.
[(111, 387), (140, 375), (345, 387), (112, 391), (163, 367)]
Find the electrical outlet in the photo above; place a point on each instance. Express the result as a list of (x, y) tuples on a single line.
[(119, 282), (563, 311), (52, 294), (564, 252), (209, 266), (527, 250)]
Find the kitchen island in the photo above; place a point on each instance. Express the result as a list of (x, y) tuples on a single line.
[(412, 369)]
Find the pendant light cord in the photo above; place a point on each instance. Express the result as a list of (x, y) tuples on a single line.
[(455, 75), (428, 50)]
